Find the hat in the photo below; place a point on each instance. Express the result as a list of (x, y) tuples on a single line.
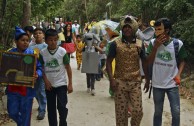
[(111, 33), (75, 21), (19, 32), (130, 20)]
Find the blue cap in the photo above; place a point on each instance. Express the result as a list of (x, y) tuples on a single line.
[(19, 32)]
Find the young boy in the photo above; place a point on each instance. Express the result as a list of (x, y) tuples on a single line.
[(20, 98), (29, 30), (80, 46), (91, 40), (38, 45), (55, 65), (102, 56)]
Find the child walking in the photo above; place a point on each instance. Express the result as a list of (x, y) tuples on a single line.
[(80, 46), (91, 41), (20, 98), (55, 66), (29, 30), (102, 54), (38, 45)]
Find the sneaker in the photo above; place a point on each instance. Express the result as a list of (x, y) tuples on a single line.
[(88, 90), (93, 92), (40, 116)]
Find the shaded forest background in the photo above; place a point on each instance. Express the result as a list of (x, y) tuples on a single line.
[(26, 12)]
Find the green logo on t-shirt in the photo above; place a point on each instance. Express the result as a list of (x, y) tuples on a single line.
[(165, 56), (53, 63)]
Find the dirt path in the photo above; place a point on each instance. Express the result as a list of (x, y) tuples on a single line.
[(87, 110)]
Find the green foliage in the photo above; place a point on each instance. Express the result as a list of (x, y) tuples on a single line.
[(44, 9), (8, 21), (180, 12), (183, 19), (12, 17)]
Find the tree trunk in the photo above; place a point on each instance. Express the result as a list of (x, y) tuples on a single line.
[(86, 10), (26, 13), (3, 10)]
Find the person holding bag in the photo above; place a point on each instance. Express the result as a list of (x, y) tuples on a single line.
[(69, 44)]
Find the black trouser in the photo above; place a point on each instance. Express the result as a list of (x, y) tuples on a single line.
[(103, 61), (57, 97), (90, 80), (98, 75)]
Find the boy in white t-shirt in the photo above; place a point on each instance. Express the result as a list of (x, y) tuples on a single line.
[(165, 71), (55, 68)]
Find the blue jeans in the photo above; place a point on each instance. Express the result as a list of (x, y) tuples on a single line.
[(40, 95), (174, 99), (19, 108), (98, 75)]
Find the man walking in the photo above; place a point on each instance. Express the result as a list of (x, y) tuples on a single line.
[(167, 68), (126, 82)]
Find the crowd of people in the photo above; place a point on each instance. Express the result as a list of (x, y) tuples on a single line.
[(126, 56)]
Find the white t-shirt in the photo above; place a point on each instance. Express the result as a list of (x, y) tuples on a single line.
[(76, 27), (54, 67), (165, 66)]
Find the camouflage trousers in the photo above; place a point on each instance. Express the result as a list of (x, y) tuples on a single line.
[(128, 93)]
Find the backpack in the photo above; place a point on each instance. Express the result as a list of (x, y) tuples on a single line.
[(176, 50)]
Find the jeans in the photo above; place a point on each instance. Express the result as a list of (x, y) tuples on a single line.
[(40, 95), (19, 108), (98, 75), (57, 99), (174, 99)]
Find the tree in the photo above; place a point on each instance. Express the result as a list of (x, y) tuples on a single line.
[(3, 6), (26, 13), (180, 12)]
